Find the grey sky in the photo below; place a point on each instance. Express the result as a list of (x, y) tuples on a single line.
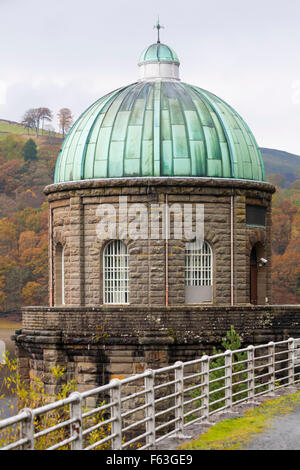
[(68, 53)]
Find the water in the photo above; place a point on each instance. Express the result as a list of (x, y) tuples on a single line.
[(7, 329)]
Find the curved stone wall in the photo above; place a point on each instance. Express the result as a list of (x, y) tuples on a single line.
[(157, 268)]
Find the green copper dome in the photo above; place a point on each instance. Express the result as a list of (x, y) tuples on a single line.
[(159, 127), (158, 53)]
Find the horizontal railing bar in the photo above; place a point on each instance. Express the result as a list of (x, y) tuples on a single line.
[(194, 399), (97, 410), (13, 445), (161, 426), (217, 368), (134, 395), (54, 428), (98, 425), (225, 407), (217, 401), (238, 363), (13, 420), (244, 371), (236, 402), (166, 435), (200, 418), (280, 362), (263, 385), (167, 384), (139, 408), (63, 443), (145, 446), (195, 410), (172, 395), (53, 406), (102, 441), (165, 369), (219, 389), (279, 379), (193, 387), (241, 382), (218, 379), (136, 423), (264, 366), (141, 436), (197, 374), (241, 391), (256, 358), (163, 412)]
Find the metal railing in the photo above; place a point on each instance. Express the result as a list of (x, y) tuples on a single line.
[(140, 411)]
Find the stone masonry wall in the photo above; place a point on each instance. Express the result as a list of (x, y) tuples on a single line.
[(96, 345), (74, 225)]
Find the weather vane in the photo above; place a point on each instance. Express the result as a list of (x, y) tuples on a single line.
[(158, 27)]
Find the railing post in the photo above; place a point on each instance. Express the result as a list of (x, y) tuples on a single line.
[(27, 429), (150, 410), (291, 362), (228, 378), (251, 372), (116, 425), (271, 367), (179, 399), (76, 413), (205, 388)]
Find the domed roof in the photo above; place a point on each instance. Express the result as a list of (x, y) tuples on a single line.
[(158, 52), (159, 126)]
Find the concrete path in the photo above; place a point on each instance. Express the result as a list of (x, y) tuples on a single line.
[(284, 434)]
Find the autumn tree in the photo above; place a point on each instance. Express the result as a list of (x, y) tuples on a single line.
[(30, 150), (277, 179), (282, 219), (65, 120), (11, 147)]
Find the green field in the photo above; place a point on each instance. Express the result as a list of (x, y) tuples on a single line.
[(12, 128)]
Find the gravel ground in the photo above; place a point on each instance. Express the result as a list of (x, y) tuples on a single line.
[(284, 434)]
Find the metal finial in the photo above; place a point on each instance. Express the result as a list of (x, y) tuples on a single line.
[(158, 26)]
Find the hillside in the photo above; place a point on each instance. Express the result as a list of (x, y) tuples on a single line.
[(280, 162), (12, 127)]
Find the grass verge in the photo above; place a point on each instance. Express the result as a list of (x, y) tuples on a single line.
[(233, 434)]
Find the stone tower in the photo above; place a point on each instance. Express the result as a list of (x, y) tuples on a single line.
[(159, 233)]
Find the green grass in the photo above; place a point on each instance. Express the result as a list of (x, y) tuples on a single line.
[(234, 434), (8, 128)]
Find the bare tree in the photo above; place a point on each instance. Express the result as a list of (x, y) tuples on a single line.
[(28, 120), (45, 114), (65, 120), (33, 117)]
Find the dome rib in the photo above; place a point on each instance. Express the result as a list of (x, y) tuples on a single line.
[(224, 130), (90, 133)]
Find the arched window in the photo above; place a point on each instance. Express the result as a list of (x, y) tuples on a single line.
[(59, 275), (198, 273), (115, 273)]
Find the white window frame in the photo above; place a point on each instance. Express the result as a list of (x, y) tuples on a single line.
[(115, 273), (199, 266), (199, 274)]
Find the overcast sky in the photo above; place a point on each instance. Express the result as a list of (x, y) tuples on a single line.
[(68, 53)]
